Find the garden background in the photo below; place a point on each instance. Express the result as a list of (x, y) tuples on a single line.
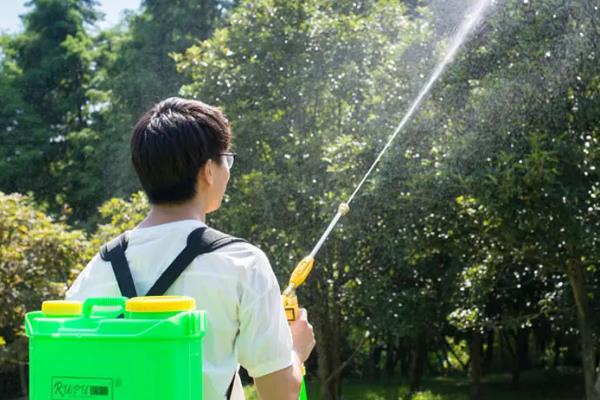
[(468, 265)]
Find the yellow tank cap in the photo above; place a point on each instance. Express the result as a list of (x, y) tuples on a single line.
[(61, 307), (160, 304)]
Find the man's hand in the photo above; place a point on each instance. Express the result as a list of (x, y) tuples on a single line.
[(285, 384), (302, 336)]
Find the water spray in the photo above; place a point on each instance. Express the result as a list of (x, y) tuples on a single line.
[(304, 267)]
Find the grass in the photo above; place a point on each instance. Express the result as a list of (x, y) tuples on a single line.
[(536, 385)]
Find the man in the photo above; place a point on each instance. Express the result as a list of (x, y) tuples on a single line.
[(180, 152)]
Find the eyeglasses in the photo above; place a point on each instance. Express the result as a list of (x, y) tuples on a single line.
[(229, 158)]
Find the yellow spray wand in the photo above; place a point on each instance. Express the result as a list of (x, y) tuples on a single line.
[(304, 267), (299, 275)]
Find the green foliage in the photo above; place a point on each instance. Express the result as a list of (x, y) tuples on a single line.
[(458, 356), (38, 257), (520, 168), (483, 216), (118, 215), (426, 396)]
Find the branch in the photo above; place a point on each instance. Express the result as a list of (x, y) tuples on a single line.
[(345, 363), (463, 365)]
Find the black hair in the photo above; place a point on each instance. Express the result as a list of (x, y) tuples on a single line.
[(171, 142)]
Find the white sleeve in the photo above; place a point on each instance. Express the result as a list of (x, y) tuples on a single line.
[(264, 341)]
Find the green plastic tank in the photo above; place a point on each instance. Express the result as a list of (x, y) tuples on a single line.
[(146, 348)]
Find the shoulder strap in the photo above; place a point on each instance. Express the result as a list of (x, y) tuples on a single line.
[(114, 251), (200, 241)]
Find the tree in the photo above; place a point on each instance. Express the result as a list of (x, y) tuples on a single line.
[(46, 134), (525, 145)]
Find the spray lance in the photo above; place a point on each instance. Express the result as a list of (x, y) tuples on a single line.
[(299, 275), (304, 267)]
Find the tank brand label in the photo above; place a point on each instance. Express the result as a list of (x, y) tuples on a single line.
[(81, 388)]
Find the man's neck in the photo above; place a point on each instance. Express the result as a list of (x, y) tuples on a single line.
[(162, 214)]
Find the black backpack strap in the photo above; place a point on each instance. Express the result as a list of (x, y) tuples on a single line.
[(200, 241), (114, 252)]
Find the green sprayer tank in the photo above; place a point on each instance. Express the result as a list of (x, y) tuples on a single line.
[(146, 348)]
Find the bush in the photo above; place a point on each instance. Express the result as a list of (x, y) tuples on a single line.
[(38, 258), (426, 396), (119, 215)]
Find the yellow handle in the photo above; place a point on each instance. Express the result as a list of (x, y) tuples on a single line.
[(292, 311), (290, 305), (288, 298)]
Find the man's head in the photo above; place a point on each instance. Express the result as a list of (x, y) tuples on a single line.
[(177, 151)]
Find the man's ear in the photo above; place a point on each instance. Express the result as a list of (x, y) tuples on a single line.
[(206, 172)]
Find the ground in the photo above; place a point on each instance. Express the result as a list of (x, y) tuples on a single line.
[(536, 385)]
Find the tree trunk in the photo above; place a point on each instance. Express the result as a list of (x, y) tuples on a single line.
[(328, 354), (556, 353), (476, 342), (522, 347), (441, 361), (329, 388), (418, 363), (23, 380), (516, 376), (577, 279), (488, 359), (520, 354), (391, 358), (374, 361), (405, 361)]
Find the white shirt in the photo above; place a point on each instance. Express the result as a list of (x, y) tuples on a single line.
[(235, 285)]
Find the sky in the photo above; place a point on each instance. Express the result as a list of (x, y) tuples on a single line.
[(11, 9)]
